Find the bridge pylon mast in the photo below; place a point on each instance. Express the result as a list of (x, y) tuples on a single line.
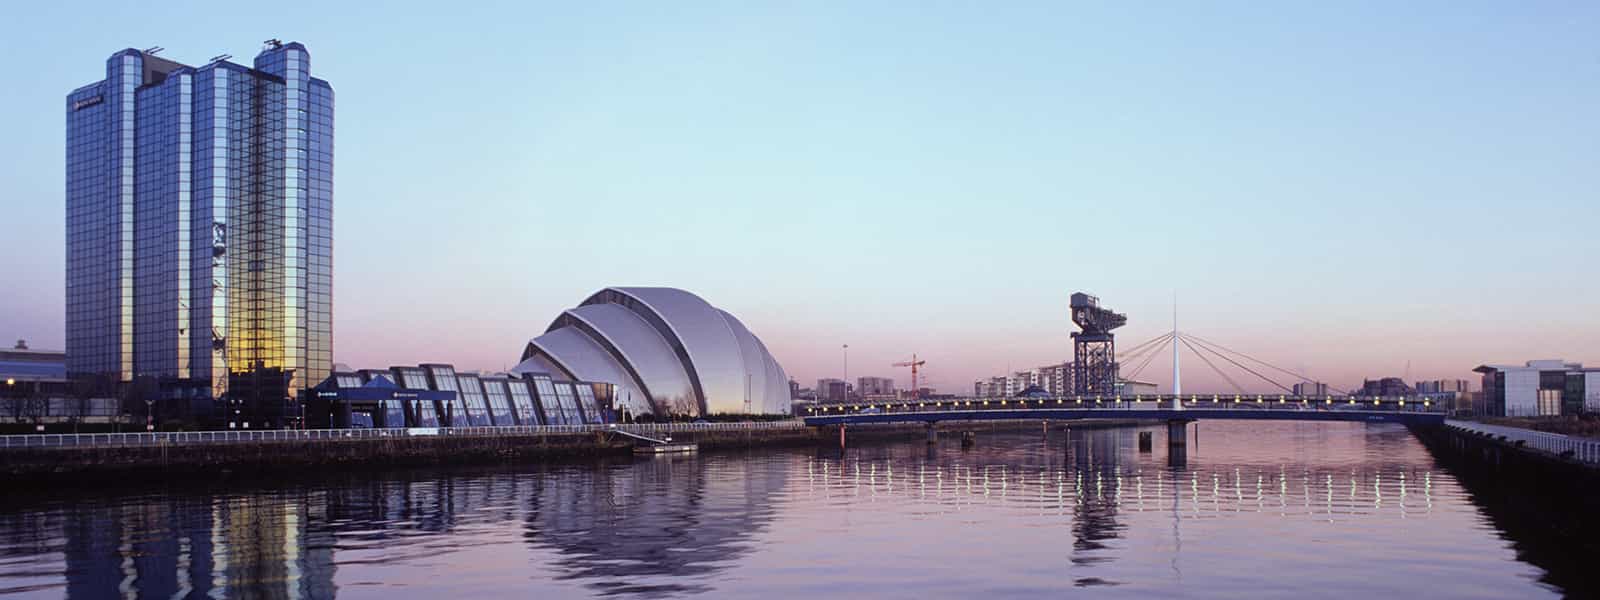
[(1177, 376)]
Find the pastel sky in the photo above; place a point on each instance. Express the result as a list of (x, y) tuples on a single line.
[(1344, 188)]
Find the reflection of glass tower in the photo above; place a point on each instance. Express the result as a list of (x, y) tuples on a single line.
[(199, 225), (246, 547)]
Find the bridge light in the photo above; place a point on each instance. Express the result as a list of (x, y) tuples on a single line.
[(985, 402), (1352, 401), (1097, 399), (1058, 400), (1426, 403), (1080, 400), (1376, 401), (1329, 399), (1002, 403)]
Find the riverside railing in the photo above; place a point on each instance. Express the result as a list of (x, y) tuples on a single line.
[(175, 438), (1583, 449)]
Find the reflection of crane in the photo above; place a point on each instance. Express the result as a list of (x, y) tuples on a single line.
[(916, 392)]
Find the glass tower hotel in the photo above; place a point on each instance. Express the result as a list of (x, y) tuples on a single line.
[(199, 232)]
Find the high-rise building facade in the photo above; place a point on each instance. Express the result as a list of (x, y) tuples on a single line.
[(200, 223)]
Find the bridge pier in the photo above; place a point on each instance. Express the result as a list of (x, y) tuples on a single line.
[(1177, 442), (933, 432)]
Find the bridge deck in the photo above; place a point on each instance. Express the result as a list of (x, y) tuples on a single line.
[(1281, 408)]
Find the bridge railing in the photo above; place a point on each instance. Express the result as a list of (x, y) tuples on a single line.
[(1582, 449), (1153, 402), (68, 440)]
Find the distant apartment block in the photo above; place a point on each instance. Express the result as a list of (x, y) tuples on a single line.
[(832, 390), (875, 386), (1388, 387), (1310, 389), (1441, 386)]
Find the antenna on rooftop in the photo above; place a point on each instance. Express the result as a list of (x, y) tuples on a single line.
[(153, 50), (273, 44), (219, 58)]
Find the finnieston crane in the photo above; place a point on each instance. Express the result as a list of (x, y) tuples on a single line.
[(1094, 365), (916, 391)]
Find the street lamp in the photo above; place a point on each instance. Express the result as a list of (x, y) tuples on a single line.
[(847, 372)]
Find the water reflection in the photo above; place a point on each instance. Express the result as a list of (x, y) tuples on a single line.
[(1320, 508)]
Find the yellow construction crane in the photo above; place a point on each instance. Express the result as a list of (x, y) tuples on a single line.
[(916, 391)]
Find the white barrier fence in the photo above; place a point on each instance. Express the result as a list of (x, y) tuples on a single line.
[(1583, 449), (178, 438)]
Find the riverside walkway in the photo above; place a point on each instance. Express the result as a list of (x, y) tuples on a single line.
[(186, 438)]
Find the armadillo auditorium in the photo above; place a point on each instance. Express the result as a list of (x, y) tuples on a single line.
[(640, 350)]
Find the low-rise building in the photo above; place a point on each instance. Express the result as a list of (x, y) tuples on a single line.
[(1539, 388), (436, 395), (1130, 387)]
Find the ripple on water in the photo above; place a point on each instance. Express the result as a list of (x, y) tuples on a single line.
[(1259, 510)]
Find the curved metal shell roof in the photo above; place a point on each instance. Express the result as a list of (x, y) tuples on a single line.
[(640, 349), (667, 345), (579, 357)]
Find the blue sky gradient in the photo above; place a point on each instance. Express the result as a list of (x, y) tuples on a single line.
[(1341, 187)]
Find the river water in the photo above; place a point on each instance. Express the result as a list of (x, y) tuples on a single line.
[(1264, 510)]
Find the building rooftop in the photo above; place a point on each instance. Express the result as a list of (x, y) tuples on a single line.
[(1554, 364)]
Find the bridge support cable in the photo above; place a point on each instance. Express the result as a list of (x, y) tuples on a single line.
[(1150, 357), (1225, 377), (1144, 349), (1145, 345), (1245, 368), (1214, 347)]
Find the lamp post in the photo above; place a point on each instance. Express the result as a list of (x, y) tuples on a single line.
[(846, 373)]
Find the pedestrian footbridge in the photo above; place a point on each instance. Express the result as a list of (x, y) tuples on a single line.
[(1403, 410)]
